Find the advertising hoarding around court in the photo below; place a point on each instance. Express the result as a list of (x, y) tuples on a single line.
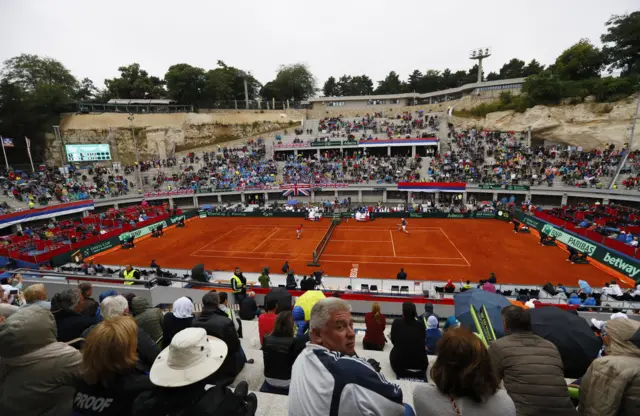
[(87, 152)]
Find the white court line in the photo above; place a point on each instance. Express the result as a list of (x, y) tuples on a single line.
[(454, 246), (384, 257), (266, 239), (337, 261), (392, 243), (245, 252), (211, 242)]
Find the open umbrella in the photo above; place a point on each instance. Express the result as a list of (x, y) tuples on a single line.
[(280, 295), (478, 297), (571, 335), (307, 300)]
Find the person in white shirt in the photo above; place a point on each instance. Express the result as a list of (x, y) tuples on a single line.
[(327, 378)]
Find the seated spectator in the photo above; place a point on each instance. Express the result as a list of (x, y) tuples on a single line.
[(428, 311), (110, 381), (249, 307), (301, 325), (178, 319), (89, 306), (449, 287), (267, 320), (291, 281), (450, 323), (531, 367), (376, 323), (36, 295), (574, 300), (615, 288), (180, 375), (433, 336), (229, 311), (150, 319), (611, 385), (589, 301), (67, 307), (217, 324), (490, 284), (408, 358), (114, 306), (37, 374), (465, 383), (280, 350), (108, 293), (327, 378)]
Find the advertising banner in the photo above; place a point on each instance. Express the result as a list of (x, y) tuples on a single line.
[(253, 214)]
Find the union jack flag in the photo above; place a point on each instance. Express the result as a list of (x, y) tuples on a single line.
[(296, 189)]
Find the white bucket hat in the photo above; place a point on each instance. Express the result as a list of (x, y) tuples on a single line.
[(191, 357)]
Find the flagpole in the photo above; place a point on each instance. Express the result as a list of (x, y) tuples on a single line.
[(4, 152), (29, 152)]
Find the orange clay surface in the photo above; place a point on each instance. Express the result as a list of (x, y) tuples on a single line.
[(434, 249)]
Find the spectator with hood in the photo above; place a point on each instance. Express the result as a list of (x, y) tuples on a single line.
[(428, 311), (148, 318), (111, 380), (531, 368), (408, 358), (67, 307), (37, 373), (617, 374), (178, 319), (433, 336), (301, 324)]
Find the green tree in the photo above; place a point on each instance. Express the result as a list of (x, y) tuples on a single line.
[(226, 83), (86, 91), (31, 72), (361, 85), (391, 84), (580, 61), (292, 82), (532, 68), (415, 81), (134, 82), (544, 88), (493, 76), (185, 83), (343, 87), (622, 43), (512, 69), (431, 81), (330, 88), (471, 77)]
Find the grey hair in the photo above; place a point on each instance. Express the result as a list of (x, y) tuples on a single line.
[(113, 306), (211, 299), (66, 300), (324, 308)]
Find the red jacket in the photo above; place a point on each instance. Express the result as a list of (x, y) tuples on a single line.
[(375, 328)]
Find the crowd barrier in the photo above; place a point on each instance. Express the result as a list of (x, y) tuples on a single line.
[(621, 263)]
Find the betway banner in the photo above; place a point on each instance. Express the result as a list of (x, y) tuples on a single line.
[(149, 228), (619, 262)]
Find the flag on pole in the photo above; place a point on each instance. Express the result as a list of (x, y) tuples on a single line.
[(26, 139), (7, 142), (296, 189)]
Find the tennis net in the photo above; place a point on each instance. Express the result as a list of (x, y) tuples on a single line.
[(323, 243)]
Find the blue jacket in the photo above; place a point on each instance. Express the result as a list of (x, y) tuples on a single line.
[(574, 300), (431, 340), (589, 302)]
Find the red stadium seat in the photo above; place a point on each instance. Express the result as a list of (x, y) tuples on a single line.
[(620, 246), (594, 236)]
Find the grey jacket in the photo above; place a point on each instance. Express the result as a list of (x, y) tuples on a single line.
[(37, 374), (148, 318), (533, 375), (429, 401)]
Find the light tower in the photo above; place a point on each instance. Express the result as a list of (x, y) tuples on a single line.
[(480, 54)]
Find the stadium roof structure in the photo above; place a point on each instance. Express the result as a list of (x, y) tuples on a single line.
[(129, 101), (463, 88)]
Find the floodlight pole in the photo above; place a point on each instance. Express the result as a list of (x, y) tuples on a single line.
[(135, 145), (479, 54)]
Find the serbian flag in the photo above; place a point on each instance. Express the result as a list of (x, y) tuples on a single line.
[(296, 189), (432, 186), (7, 142)]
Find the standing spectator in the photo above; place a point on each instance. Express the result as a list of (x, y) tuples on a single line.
[(67, 307), (266, 321), (433, 335), (36, 295), (376, 323), (291, 281), (408, 358), (178, 319), (148, 318), (327, 379), (110, 381), (264, 279), (285, 267), (249, 307), (130, 274), (36, 372), (611, 385), (531, 367), (465, 382), (89, 305), (401, 275), (238, 286), (228, 310), (217, 324), (280, 350)]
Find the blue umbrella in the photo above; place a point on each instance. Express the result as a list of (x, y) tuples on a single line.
[(292, 202), (478, 297), (585, 287), (207, 206)]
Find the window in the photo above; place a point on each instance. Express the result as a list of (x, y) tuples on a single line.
[(335, 104)]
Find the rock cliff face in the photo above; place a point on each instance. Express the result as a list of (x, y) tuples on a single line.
[(157, 135), (588, 125)]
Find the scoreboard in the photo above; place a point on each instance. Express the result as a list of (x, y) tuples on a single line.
[(87, 152)]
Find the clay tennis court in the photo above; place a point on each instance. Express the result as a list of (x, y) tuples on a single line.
[(435, 249)]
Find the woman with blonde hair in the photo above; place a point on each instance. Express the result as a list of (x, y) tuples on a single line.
[(376, 322), (110, 381), (36, 295)]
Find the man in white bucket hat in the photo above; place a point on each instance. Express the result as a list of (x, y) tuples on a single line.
[(181, 372)]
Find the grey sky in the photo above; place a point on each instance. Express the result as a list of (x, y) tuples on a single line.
[(94, 38)]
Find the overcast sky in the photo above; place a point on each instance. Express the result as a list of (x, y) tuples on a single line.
[(334, 37)]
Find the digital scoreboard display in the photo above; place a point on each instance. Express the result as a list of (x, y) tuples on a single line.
[(87, 152)]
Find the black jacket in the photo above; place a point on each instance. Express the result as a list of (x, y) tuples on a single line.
[(71, 325), (148, 350), (172, 325), (90, 307), (291, 282), (279, 355), (401, 276), (248, 309), (408, 351), (116, 398), (308, 284), (218, 324)]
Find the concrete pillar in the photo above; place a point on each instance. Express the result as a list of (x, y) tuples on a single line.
[(564, 199), (266, 197), (335, 193), (318, 153), (436, 197), (85, 214), (242, 199), (115, 206), (219, 199), (360, 195), (295, 152), (384, 196), (195, 200), (464, 198), (313, 196), (529, 137), (15, 228), (413, 151), (388, 150), (495, 196), (605, 201), (171, 203)]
